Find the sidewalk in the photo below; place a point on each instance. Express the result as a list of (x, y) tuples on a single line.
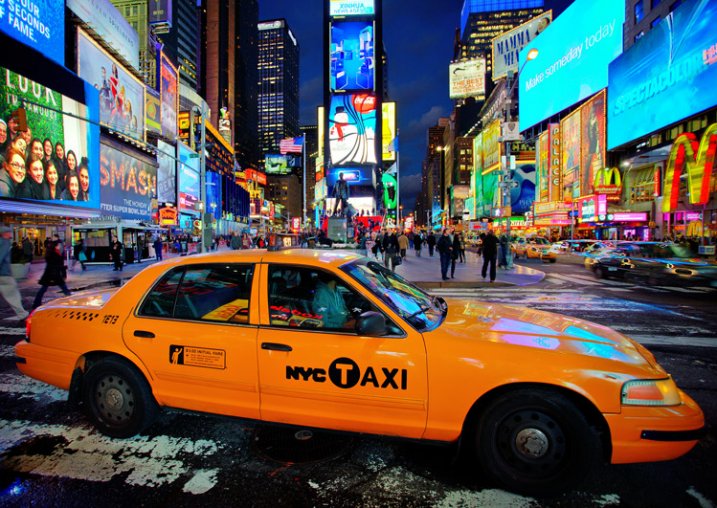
[(424, 271)]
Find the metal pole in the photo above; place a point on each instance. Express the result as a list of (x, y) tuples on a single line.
[(398, 191), (507, 180), (202, 176), (304, 198)]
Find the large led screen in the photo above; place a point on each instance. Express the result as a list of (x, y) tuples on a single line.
[(121, 94), (352, 129), (522, 192), (65, 145), (170, 98), (352, 62), (277, 164), (351, 7), (39, 24), (166, 173), (466, 79), (658, 81), (572, 60), (214, 194), (188, 177), (127, 184), (570, 144), (354, 177)]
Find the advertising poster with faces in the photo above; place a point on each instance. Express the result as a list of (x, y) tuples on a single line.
[(128, 185), (121, 94), (170, 98), (593, 141), (51, 160), (352, 129)]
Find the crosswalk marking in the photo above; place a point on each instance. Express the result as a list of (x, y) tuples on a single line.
[(583, 280)]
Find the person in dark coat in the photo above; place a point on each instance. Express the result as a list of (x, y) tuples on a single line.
[(117, 249), (417, 241), (80, 254), (431, 241), (390, 249), (54, 271), (158, 248), (455, 253), (490, 253), (445, 248)]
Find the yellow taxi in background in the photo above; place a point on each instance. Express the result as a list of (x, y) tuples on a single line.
[(534, 247), (334, 340)]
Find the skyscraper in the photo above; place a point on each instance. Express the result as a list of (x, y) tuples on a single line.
[(136, 13), (218, 55), (182, 41), (278, 69), (246, 146)]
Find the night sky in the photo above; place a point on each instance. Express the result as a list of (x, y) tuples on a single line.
[(418, 36)]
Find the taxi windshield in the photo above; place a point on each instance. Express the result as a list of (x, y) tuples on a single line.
[(420, 309)]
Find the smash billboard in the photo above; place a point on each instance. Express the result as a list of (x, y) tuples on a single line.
[(352, 129), (128, 184)]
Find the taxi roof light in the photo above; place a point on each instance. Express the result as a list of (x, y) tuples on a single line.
[(651, 392)]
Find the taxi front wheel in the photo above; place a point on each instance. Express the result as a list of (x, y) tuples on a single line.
[(536, 442), (118, 399)]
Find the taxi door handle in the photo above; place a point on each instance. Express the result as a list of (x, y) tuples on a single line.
[(143, 334), (273, 346)]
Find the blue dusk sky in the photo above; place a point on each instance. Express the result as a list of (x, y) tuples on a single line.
[(418, 37)]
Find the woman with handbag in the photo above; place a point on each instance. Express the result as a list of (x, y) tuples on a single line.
[(54, 274)]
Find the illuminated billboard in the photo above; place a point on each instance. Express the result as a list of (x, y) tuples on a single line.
[(277, 164), (572, 61), (658, 82), (188, 178), (352, 63), (507, 46), (170, 98), (592, 152), (71, 134), (354, 177), (121, 94), (467, 79), (39, 24), (166, 173), (389, 134), (351, 8), (128, 184), (153, 111), (352, 129), (570, 145)]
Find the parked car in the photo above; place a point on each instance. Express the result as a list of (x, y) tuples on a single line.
[(657, 264), (334, 340), (534, 247)]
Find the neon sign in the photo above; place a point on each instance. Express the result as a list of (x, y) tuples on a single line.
[(699, 159)]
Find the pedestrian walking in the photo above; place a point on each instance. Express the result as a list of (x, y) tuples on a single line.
[(461, 248), (390, 250), (444, 247), (403, 244), (80, 254), (490, 252), (431, 241), (455, 253), (8, 285), (503, 246), (54, 274), (417, 241), (158, 248), (116, 253)]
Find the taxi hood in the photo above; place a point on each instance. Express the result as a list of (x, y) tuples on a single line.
[(538, 330)]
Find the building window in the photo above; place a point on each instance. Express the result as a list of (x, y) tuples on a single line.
[(639, 11), (655, 3), (655, 22)]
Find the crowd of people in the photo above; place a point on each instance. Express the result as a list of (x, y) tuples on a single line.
[(37, 169)]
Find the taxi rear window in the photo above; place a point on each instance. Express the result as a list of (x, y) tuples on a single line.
[(211, 292)]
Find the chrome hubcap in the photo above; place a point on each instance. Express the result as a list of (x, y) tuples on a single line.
[(532, 443)]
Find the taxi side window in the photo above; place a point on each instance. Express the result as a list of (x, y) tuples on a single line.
[(214, 292), (308, 298), (160, 301)]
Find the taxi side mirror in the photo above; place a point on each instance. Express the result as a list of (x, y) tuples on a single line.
[(371, 324)]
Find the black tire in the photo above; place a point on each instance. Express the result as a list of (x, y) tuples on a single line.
[(600, 273), (536, 442), (118, 398)]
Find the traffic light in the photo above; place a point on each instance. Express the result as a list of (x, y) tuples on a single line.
[(20, 118)]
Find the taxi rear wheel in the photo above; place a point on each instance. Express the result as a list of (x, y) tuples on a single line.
[(536, 442), (118, 399)]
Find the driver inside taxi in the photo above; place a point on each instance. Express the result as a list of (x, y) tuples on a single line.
[(329, 303)]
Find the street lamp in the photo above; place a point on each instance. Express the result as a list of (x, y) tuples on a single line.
[(507, 183)]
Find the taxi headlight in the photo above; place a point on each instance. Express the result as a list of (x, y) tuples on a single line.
[(651, 392)]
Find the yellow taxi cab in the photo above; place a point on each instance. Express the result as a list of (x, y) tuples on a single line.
[(534, 247), (333, 340)]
